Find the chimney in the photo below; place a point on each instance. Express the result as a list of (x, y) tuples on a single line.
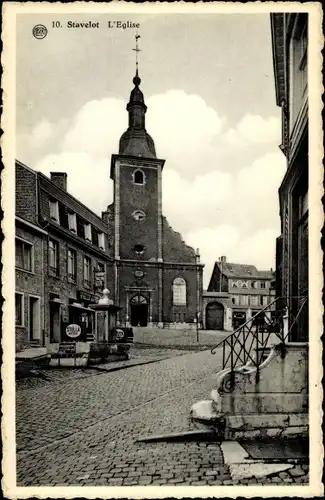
[(197, 255), (223, 259), (60, 179)]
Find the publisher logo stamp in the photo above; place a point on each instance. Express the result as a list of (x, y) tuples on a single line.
[(40, 31)]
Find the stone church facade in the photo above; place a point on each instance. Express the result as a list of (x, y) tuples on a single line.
[(157, 278)]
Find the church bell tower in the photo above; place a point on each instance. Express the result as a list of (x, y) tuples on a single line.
[(137, 172), (157, 277)]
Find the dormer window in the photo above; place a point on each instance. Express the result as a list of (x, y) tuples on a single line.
[(138, 177), (88, 232), (54, 211), (101, 241), (72, 221)]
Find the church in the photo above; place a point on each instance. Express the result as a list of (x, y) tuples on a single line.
[(157, 278)]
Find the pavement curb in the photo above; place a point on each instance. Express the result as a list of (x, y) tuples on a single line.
[(131, 365)]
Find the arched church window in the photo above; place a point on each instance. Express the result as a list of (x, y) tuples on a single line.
[(179, 292), (138, 177)]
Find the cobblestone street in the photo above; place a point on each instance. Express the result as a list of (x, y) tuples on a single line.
[(83, 431), (80, 427)]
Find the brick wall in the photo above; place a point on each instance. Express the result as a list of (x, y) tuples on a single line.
[(138, 197), (26, 193), (190, 276), (30, 283), (174, 248)]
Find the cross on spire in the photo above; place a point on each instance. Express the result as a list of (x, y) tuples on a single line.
[(137, 50)]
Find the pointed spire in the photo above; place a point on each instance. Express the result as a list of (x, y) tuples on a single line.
[(136, 141), (137, 79)]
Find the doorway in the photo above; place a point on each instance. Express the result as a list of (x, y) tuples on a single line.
[(34, 325), (55, 322), (214, 316), (139, 311)]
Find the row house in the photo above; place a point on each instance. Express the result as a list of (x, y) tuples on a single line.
[(290, 56), (75, 262), (242, 288)]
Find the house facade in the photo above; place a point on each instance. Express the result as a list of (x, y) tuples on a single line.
[(71, 257), (246, 290), (290, 56), (30, 245)]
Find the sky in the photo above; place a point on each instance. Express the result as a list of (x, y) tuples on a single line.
[(209, 86)]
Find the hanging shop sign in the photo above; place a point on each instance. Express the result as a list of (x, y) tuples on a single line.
[(99, 279), (73, 331), (65, 313), (89, 297)]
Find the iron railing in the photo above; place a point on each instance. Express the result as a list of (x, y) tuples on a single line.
[(250, 341)]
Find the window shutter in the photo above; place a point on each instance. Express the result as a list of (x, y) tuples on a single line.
[(72, 218), (54, 211), (101, 241), (88, 232)]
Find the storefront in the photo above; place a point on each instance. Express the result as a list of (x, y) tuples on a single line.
[(238, 319), (74, 311)]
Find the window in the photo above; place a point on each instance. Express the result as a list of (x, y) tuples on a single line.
[(24, 255), (138, 177), (254, 284), (298, 66), (245, 284), (101, 241), (261, 300), (265, 300), (179, 292), (72, 264), (80, 228), (100, 267), (72, 221), (63, 216), (235, 300), (254, 300), (235, 284), (54, 211), (262, 284), (87, 272), (19, 309), (139, 249), (244, 300), (139, 215), (88, 232), (53, 257)]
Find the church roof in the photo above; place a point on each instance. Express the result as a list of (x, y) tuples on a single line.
[(242, 271), (136, 142)]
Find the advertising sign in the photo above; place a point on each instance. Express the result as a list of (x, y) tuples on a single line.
[(73, 331), (119, 334), (99, 279)]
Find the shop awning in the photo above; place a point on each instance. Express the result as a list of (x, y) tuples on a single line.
[(56, 301), (79, 306)]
